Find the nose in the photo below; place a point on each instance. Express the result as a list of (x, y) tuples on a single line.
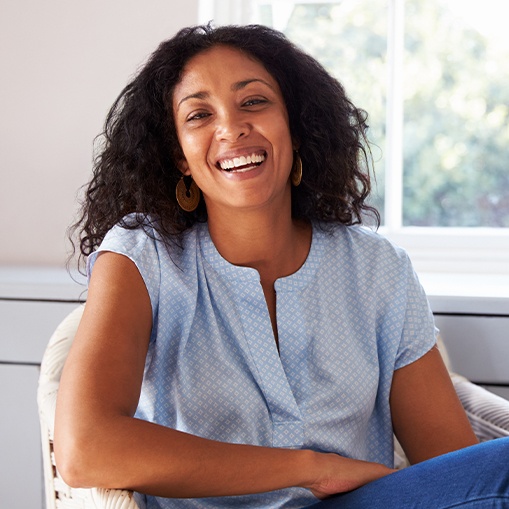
[(232, 126)]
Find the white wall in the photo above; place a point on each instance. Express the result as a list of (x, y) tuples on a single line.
[(62, 64)]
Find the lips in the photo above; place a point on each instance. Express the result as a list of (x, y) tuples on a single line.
[(242, 163)]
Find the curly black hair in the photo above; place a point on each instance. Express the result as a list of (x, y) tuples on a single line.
[(136, 171)]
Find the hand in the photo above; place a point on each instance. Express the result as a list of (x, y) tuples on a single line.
[(337, 474)]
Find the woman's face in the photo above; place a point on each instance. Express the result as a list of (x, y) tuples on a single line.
[(233, 128)]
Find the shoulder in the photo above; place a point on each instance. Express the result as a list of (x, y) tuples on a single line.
[(361, 244), (137, 233), (137, 238), (365, 260), (161, 262)]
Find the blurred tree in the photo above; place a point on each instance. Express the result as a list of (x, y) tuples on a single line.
[(456, 132)]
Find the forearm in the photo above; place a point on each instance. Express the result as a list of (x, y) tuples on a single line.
[(124, 452), (152, 459)]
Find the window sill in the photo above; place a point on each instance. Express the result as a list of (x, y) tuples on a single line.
[(460, 251), (477, 294)]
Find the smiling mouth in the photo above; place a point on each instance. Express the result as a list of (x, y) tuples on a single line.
[(242, 163)]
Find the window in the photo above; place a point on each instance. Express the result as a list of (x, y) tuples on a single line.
[(433, 76)]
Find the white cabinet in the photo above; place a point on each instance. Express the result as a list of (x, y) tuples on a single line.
[(478, 346), (26, 326), (32, 304), (472, 313), (21, 483)]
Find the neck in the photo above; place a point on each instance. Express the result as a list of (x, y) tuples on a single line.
[(271, 243)]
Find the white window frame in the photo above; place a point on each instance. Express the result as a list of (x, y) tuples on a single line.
[(433, 250)]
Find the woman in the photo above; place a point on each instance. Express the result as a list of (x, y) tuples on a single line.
[(244, 343)]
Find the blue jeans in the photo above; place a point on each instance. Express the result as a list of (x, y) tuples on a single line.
[(475, 477)]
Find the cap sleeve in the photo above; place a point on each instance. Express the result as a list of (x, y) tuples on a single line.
[(141, 248), (419, 332)]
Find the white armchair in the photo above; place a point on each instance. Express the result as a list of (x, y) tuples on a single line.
[(488, 414)]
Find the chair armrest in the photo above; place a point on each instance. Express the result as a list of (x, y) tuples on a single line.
[(487, 412), (115, 499)]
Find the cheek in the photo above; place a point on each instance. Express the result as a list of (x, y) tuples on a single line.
[(285, 143), (276, 130), (192, 147)]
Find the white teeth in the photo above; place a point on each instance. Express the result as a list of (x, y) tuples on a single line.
[(228, 164)]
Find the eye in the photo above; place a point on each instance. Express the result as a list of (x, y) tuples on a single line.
[(254, 101), (199, 115)]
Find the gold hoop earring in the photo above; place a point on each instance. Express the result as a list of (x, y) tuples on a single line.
[(296, 174), (187, 193)]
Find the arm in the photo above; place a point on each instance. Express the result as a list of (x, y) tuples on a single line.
[(427, 416), (99, 443)]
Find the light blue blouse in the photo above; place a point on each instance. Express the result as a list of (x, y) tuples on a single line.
[(351, 315)]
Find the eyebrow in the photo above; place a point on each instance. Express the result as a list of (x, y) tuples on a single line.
[(242, 84), (235, 88), (197, 95)]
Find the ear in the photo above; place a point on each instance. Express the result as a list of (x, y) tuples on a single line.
[(183, 167), (295, 144)]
